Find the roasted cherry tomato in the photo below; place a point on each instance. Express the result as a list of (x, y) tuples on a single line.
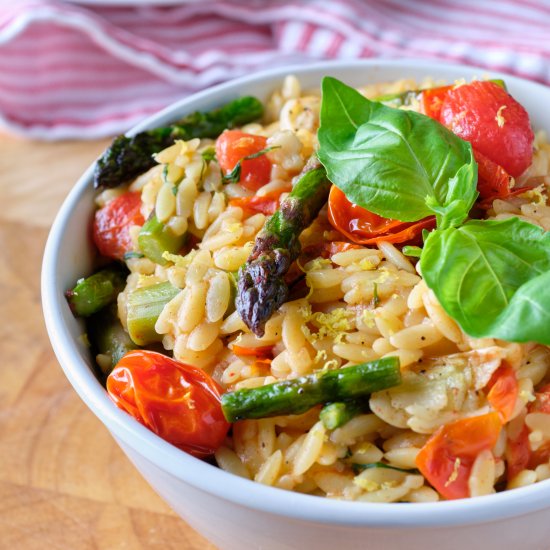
[(179, 402), (363, 227), (518, 453), (503, 391), (431, 101), (111, 229), (494, 123), (233, 146), (493, 182), (267, 204), (447, 457)]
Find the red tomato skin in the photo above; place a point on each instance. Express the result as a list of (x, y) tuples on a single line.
[(503, 391), (471, 112), (111, 227), (178, 402), (232, 146), (493, 182), (431, 101), (447, 457), (363, 227)]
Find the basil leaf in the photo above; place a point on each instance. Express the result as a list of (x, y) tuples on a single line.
[(493, 278), (398, 164)]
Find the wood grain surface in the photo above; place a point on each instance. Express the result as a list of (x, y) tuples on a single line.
[(64, 483)]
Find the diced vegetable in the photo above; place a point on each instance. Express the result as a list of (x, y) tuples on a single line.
[(337, 414), (108, 337), (96, 291), (446, 459), (144, 307), (301, 394), (155, 238), (111, 229), (128, 157), (178, 402)]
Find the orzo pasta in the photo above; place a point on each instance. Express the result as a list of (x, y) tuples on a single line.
[(303, 322)]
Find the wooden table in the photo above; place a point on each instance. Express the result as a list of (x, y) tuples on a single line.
[(64, 483)]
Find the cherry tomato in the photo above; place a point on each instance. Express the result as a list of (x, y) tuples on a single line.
[(178, 402), (493, 182), (447, 457), (111, 228), (431, 101), (518, 453), (364, 227), (503, 391), (267, 204), (232, 146), (494, 123)]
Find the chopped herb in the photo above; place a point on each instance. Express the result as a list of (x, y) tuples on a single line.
[(235, 175)]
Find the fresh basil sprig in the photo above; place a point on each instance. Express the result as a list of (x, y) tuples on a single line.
[(493, 278), (397, 164)]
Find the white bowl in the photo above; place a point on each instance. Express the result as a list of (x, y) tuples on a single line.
[(235, 513)]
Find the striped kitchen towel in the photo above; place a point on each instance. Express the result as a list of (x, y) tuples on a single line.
[(73, 70)]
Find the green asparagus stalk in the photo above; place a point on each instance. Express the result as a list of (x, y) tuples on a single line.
[(97, 291), (155, 238), (301, 394), (143, 309), (128, 157), (108, 337), (261, 287), (337, 414)]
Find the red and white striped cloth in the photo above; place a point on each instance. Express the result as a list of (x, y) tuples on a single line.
[(70, 71)]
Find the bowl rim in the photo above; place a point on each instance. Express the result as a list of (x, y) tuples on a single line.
[(213, 480)]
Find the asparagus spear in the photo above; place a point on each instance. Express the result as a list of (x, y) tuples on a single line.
[(337, 414), (301, 394), (107, 336), (144, 307), (97, 291), (261, 286), (155, 238), (128, 157)]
